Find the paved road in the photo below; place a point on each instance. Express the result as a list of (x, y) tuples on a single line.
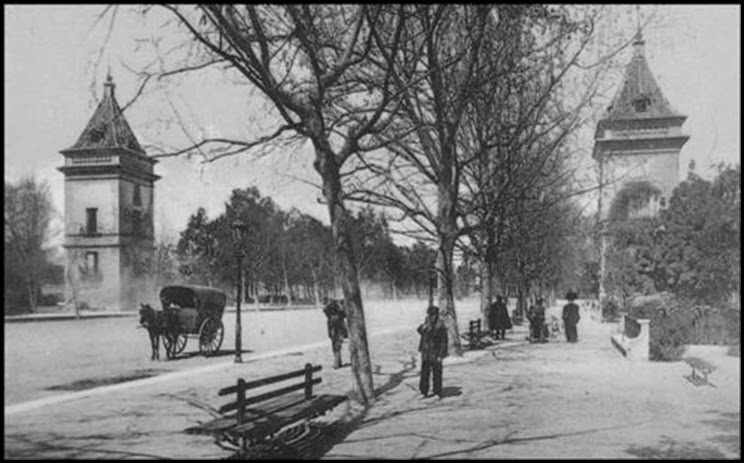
[(42, 355)]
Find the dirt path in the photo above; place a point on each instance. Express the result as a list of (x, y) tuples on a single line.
[(513, 400)]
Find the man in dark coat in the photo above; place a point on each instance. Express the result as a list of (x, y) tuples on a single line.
[(571, 318), (433, 348), (502, 322), (335, 316)]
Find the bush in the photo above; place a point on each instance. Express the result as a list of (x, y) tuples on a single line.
[(51, 299), (610, 310), (677, 322)]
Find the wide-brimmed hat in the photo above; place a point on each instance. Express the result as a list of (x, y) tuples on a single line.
[(432, 310), (571, 295)]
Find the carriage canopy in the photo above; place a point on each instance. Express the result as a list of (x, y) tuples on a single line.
[(202, 298)]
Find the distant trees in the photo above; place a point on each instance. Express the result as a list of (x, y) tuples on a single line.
[(289, 254), (28, 211)]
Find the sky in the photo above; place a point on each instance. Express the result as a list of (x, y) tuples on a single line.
[(54, 75)]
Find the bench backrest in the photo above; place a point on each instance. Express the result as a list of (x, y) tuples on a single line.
[(475, 326), (242, 386)]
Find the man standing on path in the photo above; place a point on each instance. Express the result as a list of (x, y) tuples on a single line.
[(433, 348), (571, 317), (336, 329)]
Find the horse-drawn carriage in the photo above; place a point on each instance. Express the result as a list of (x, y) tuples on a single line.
[(192, 311)]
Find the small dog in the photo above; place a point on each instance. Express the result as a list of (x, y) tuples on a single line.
[(154, 321), (555, 327)]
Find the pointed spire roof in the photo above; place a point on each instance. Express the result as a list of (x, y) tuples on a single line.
[(108, 128), (640, 96)]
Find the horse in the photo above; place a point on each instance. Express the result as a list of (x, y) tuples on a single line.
[(155, 322)]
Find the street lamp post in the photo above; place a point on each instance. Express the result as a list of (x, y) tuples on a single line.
[(238, 229)]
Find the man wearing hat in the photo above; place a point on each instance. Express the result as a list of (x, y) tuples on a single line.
[(433, 348), (571, 318), (335, 319)]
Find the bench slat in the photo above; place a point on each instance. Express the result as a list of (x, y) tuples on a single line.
[(251, 413), (267, 425), (264, 381), (268, 395)]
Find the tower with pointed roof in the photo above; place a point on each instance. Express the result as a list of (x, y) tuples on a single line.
[(636, 146), (109, 232)]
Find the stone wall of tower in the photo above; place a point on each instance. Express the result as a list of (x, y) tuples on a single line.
[(137, 229), (107, 170), (661, 169), (82, 193), (101, 291)]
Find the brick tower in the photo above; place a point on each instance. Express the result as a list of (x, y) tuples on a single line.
[(109, 232), (637, 146)]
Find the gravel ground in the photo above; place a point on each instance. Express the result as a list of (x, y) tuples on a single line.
[(511, 400)]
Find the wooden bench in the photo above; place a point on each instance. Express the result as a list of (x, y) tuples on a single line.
[(475, 334), (252, 420), (699, 366)]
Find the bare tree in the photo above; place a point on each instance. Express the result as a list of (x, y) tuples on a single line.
[(28, 211), (310, 62)]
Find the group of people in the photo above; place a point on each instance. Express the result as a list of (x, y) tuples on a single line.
[(539, 330), (433, 343)]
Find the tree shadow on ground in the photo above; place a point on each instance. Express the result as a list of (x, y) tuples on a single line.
[(52, 446), (322, 437), (730, 426), (669, 449), (90, 383), (514, 440), (219, 353)]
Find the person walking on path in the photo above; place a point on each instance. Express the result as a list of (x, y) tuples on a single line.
[(433, 348), (536, 317), (502, 322), (337, 331), (571, 317)]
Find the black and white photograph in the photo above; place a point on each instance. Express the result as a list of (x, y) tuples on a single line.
[(372, 231)]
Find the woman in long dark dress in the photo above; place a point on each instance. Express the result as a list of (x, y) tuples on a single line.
[(501, 321), (571, 318)]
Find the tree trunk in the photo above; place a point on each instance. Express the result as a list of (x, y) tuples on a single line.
[(316, 289), (486, 290), (446, 202), (32, 297), (445, 294), (361, 367), (286, 284)]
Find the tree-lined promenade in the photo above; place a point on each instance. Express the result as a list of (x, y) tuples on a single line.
[(457, 124)]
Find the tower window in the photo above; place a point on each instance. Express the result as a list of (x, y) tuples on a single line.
[(91, 224), (137, 199), (91, 265), (641, 104)]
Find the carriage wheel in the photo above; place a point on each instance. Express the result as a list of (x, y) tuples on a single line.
[(174, 344), (177, 343), (210, 336)]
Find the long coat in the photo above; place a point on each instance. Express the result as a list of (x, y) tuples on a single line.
[(433, 343), (571, 314), (335, 316), (500, 314)]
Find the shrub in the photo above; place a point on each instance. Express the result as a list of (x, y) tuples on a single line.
[(676, 322), (610, 309), (51, 299)]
